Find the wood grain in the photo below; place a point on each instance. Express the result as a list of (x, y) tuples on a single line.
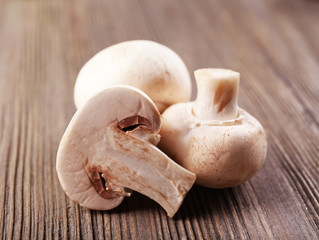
[(273, 44)]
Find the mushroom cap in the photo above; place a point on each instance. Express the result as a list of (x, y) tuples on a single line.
[(78, 154), (220, 153), (153, 68)]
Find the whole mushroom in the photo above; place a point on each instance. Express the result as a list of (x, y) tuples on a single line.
[(149, 66), (107, 151), (221, 143)]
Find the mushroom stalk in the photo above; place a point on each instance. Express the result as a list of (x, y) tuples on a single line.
[(139, 166), (217, 94)]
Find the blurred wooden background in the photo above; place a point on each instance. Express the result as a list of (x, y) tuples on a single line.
[(274, 44)]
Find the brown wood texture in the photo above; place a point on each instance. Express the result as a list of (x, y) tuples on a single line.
[(274, 44)]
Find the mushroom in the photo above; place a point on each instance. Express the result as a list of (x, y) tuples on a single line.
[(107, 151), (151, 67), (212, 137)]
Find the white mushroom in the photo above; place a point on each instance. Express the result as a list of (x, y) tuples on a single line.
[(221, 143), (106, 152), (153, 68)]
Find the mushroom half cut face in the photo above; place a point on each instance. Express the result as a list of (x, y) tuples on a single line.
[(107, 151)]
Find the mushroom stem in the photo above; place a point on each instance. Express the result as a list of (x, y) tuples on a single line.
[(217, 94), (141, 167)]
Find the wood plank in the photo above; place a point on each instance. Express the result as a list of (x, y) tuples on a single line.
[(273, 44)]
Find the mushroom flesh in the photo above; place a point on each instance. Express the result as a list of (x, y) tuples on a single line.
[(212, 137), (107, 151)]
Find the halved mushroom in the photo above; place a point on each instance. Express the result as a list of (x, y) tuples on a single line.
[(106, 152)]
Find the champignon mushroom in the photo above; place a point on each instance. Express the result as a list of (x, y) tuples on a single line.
[(106, 152), (221, 143), (151, 67)]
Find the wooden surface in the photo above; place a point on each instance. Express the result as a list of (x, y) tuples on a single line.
[(273, 44)]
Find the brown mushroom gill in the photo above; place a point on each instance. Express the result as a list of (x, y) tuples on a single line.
[(131, 123), (105, 189), (101, 187)]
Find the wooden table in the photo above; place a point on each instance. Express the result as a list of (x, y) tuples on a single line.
[(273, 44)]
